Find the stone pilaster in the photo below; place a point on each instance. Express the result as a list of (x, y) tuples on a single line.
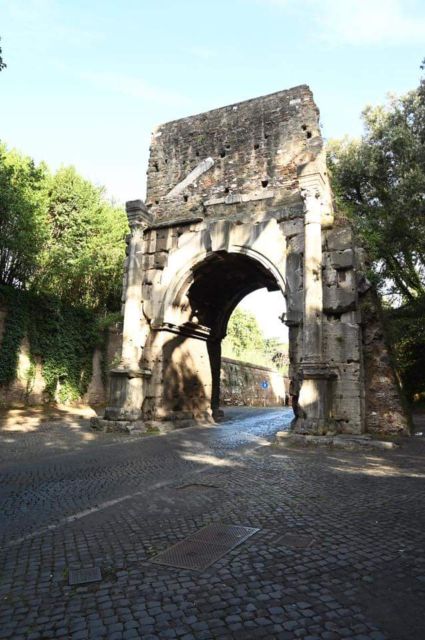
[(315, 396), (126, 381), (312, 274)]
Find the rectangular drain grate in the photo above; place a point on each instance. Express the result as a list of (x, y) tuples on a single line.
[(83, 576), (204, 547)]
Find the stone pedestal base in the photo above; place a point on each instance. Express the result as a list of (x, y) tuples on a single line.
[(352, 443), (126, 394), (118, 426), (181, 419), (147, 427), (124, 414), (314, 410)]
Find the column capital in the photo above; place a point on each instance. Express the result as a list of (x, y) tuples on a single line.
[(314, 205), (314, 190), (137, 214)]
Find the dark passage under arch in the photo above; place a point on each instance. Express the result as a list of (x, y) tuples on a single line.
[(219, 283)]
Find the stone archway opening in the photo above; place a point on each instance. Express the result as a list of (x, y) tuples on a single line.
[(255, 353), (218, 284)]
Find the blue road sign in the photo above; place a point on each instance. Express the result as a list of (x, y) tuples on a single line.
[(265, 384)]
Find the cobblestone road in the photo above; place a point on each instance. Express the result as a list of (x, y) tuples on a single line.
[(340, 551)]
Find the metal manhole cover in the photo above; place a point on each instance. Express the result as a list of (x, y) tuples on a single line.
[(83, 576), (204, 547)]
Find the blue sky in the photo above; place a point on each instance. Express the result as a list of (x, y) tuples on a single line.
[(87, 81)]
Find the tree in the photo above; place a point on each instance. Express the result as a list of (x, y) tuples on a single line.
[(3, 65), (59, 235), (82, 261), (243, 333), (245, 341), (379, 181), (278, 353), (406, 328), (23, 217), (64, 243)]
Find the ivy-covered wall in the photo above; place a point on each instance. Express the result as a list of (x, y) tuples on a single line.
[(52, 352)]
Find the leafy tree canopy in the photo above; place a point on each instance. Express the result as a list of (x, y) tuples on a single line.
[(23, 217), (379, 181), (245, 341), (406, 328), (59, 235), (82, 261), (244, 333)]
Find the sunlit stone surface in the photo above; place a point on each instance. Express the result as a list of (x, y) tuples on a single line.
[(238, 199)]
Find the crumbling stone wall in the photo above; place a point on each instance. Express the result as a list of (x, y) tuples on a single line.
[(238, 199), (245, 152), (382, 385)]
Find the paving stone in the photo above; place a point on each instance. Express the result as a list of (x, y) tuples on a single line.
[(359, 521)]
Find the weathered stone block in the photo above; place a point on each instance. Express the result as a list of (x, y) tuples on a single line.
[(292, 227), (160, 259), (337, 300), (342, 259), (163, 240), (342, 341), (293, 290), (296, 243), (149, 241), (339, 239)]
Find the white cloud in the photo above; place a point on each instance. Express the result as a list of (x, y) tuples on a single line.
[(362, 22), (135, 88)]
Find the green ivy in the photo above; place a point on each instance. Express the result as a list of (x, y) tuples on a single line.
[(15, 327), (104, 323), (63, 337), (30, 376)]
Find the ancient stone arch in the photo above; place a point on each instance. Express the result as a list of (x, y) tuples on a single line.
[(239, 199)]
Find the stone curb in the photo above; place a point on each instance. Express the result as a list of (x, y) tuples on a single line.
[(352, 443), (148, 427)]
